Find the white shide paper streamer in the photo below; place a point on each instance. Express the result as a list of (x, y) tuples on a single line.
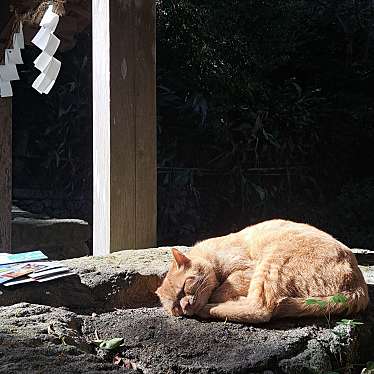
[(47, 41), (12, 57)]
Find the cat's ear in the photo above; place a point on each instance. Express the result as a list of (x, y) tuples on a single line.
[(180, 259)]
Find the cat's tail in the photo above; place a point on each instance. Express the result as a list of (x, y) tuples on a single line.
[(348, 302)]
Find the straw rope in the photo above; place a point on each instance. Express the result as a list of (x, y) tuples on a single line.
[(28, 12)]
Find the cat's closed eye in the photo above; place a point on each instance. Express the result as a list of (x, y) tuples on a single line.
[(181, 294), (190, 285)]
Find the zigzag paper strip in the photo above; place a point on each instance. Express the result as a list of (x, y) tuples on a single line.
[(45, 40), (12, 57)]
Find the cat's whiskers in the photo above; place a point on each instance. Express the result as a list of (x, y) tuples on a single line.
[(208, 285), (200, 284)]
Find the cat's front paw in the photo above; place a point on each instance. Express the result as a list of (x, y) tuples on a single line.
[(204, 312)]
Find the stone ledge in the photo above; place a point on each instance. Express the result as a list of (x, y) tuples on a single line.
[(46, 339), (28, 232), (57, 238), (125, 279)]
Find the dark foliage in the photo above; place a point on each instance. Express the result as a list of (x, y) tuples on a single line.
[(275, 99), (52, 135), (265, 109)]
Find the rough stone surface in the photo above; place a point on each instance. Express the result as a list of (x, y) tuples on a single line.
[(46, 339), (123, 279), (57, 238), (28, 344), (43, 339)]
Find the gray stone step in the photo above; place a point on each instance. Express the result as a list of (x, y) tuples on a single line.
[(57, 238)]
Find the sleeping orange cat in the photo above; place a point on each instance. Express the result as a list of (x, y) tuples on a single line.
[(265, 271)]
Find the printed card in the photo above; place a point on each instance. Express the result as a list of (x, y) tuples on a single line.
[(49, 278), (9, 258), (44, 273), (23, 270), (18, 281)]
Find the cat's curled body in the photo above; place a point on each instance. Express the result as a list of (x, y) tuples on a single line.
[(265, 271)]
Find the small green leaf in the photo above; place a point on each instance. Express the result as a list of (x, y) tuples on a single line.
[(344, 321), (310, 301), (111, 344), (321, 303), (349, 322), (339, 299)]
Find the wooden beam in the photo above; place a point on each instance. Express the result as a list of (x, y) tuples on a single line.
[(5, 154), (4, 13), (124, 124)]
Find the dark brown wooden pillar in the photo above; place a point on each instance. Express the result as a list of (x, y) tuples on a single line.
[(5, 174), (5, 153)]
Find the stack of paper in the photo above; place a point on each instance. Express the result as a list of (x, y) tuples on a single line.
[(27, 267)]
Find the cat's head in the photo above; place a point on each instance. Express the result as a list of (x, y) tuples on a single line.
[(187, 285)]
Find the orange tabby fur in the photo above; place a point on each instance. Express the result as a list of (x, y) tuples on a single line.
[(264, 271)]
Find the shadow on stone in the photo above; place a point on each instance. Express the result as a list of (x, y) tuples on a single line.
[(43, 337)]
